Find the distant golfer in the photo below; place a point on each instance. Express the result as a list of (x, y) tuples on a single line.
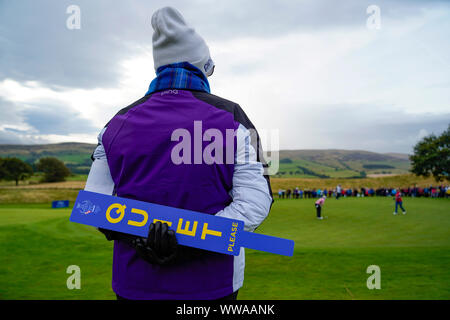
[(338, 191), (399, 202), (319, 203)]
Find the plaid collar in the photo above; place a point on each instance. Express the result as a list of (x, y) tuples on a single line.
[(181, 75)]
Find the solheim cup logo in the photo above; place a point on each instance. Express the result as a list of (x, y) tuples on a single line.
[(87, 207)]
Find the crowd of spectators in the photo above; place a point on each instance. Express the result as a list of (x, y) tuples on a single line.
[(427, 192)]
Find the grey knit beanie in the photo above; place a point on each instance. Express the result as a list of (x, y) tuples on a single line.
[(174, 41)]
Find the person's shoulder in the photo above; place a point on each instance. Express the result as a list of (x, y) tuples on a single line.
[(130, 107), (226, 105), (134, 104), (216, 101)]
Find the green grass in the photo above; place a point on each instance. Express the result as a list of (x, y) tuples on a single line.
[(77, 177), (332, 255), (330, 260), (13, 195), (38, 244)]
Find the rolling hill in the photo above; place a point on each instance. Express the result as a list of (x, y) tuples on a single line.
[(293, 163), (340, 163), (76, 156)]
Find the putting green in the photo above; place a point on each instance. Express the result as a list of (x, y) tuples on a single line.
[(330, 260)]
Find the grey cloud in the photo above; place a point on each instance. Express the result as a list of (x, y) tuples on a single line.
[(51, 118), (364, 127), (9, 112), (268, 18), (36, 45), (40, 118), (10, 136)]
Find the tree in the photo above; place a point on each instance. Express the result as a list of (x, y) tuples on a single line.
[(432, 156), (54, 169), (14, 169)]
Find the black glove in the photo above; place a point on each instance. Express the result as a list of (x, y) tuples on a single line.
[(160, 247), (153, 250)]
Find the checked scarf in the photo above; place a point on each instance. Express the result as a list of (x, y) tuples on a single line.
[(182, 75)]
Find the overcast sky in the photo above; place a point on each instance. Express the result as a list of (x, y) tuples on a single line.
[(314, 70)]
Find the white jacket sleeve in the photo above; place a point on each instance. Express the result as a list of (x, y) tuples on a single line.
[(251, 194), (99, 179)]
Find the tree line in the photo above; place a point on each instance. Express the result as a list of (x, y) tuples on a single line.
[(14, 169), (431, 157)]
